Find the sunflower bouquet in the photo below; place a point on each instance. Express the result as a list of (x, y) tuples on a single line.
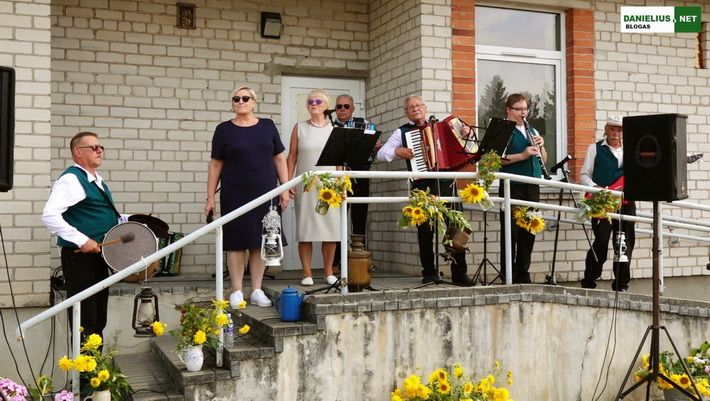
[(454, 385), (528, 218), (598, 205), (426, 208), (331, 190), (97, 368), (477, 191), (697, 362)]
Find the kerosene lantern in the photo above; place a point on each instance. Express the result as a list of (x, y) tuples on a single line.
[(272, 250), (621, 256), (145, 312)]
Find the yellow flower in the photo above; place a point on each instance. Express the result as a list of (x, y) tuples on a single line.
[(95, 382), (418, 217), (348, 184), (519, 212), (65, 364), (472, 193), (93, 341), (407, 211), (536, 225), (458, 371), (158, 328), (467, 388), (216, 331), (220, 304), (501, 394), (84, 363), (444, 387), (221, 320), (423, 392), (200, 337), (438, 375), (410, 387), (510, 378), (103, 375), (684, 381), (329, 196), (244, 329), (395, 396), (242, 305)]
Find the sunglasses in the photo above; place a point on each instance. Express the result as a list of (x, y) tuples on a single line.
[(315, 102), (95, 148), (244, 99), (342, 106)]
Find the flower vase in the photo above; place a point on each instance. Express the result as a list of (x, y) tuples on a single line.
[(486, 203), (103, 395), (322, 207), (192, 357)]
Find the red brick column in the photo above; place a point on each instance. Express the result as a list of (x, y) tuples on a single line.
[(463, 60), (581, 104)]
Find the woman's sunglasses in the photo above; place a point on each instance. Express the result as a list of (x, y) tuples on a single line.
[(244, 99), (342, 106), (315, 102)]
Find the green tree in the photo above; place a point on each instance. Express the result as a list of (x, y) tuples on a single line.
[(492, 103)]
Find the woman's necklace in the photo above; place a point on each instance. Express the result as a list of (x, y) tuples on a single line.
[(321, 125)]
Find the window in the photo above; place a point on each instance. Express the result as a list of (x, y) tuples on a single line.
[(520, 51)]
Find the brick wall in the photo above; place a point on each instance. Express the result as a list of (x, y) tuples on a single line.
[(154, 93), (25, 44)]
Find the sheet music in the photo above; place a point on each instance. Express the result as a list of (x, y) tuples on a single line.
[(469, 144)]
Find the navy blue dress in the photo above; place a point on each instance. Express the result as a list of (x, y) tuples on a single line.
[(248, 172)]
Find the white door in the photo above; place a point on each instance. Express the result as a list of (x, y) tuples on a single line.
[(294, 93)]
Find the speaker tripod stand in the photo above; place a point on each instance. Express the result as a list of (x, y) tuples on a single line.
[(482, 271)]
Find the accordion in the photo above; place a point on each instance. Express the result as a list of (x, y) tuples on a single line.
[(441, 146)]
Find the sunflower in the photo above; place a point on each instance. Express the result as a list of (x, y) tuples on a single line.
[(348, 184), (536, 226), (418, 217), (472, 193), (444, 387), (467, 388), (326, 195), (458, 371), (407, 210)]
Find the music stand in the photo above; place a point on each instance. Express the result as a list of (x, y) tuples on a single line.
[(496, 138), (348, 147)]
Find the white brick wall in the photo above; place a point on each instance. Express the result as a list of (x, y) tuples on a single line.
[(25, 44)]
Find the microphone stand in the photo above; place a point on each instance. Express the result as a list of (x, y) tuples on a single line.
[(550, 278)]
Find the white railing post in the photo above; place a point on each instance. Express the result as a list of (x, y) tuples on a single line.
[(219, 285), (508, 234), (344, 245), (76, 347)]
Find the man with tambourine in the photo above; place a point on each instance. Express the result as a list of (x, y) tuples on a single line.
[(80, 212), (603, 167)]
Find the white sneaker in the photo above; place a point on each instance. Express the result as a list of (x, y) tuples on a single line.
[(259, 298), (331, 280), (235, 299), (307, 281)]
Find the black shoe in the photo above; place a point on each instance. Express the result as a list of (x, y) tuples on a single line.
[(591, 285), (464, 281), (428, 279)]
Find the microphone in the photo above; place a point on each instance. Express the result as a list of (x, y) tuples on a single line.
[(560, 164), (432, 119), (210, 217), (328, 112)]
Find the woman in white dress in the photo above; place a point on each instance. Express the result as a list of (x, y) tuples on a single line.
[(307, 141)]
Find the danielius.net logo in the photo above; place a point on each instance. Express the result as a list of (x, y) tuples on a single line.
[(660, 19)]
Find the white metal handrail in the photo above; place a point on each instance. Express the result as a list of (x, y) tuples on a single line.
[(74, 302)]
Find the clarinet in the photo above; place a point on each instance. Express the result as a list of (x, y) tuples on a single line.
[(539, 157)]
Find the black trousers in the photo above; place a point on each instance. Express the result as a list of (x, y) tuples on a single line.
[(603, 230), (425, 234), (522, 241), (81, 271), (358, 211)]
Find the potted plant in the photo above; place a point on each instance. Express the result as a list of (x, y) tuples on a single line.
[(98, 371), (454, 385), (597, 205), (698, 364), (331, 190)]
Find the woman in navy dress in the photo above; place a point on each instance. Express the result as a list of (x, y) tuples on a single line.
[(248, 159)]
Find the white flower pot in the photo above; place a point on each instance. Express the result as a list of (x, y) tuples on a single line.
[(192, 357), (103, 395)]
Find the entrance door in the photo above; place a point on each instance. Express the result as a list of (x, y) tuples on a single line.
[(294, 93)]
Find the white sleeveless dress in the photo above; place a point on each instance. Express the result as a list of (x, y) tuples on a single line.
[(311, 226)]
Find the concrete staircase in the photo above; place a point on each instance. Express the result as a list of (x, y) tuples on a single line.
[(160, 375)]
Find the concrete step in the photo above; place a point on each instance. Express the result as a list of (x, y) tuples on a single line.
[(267, 326), (164, 349), (147, 376)]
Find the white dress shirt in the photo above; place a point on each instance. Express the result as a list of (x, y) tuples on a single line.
[(588, 166), (66, 192), (386, 152)]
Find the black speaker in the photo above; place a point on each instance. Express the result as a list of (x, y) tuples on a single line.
[(7, 127), (655, 157)]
